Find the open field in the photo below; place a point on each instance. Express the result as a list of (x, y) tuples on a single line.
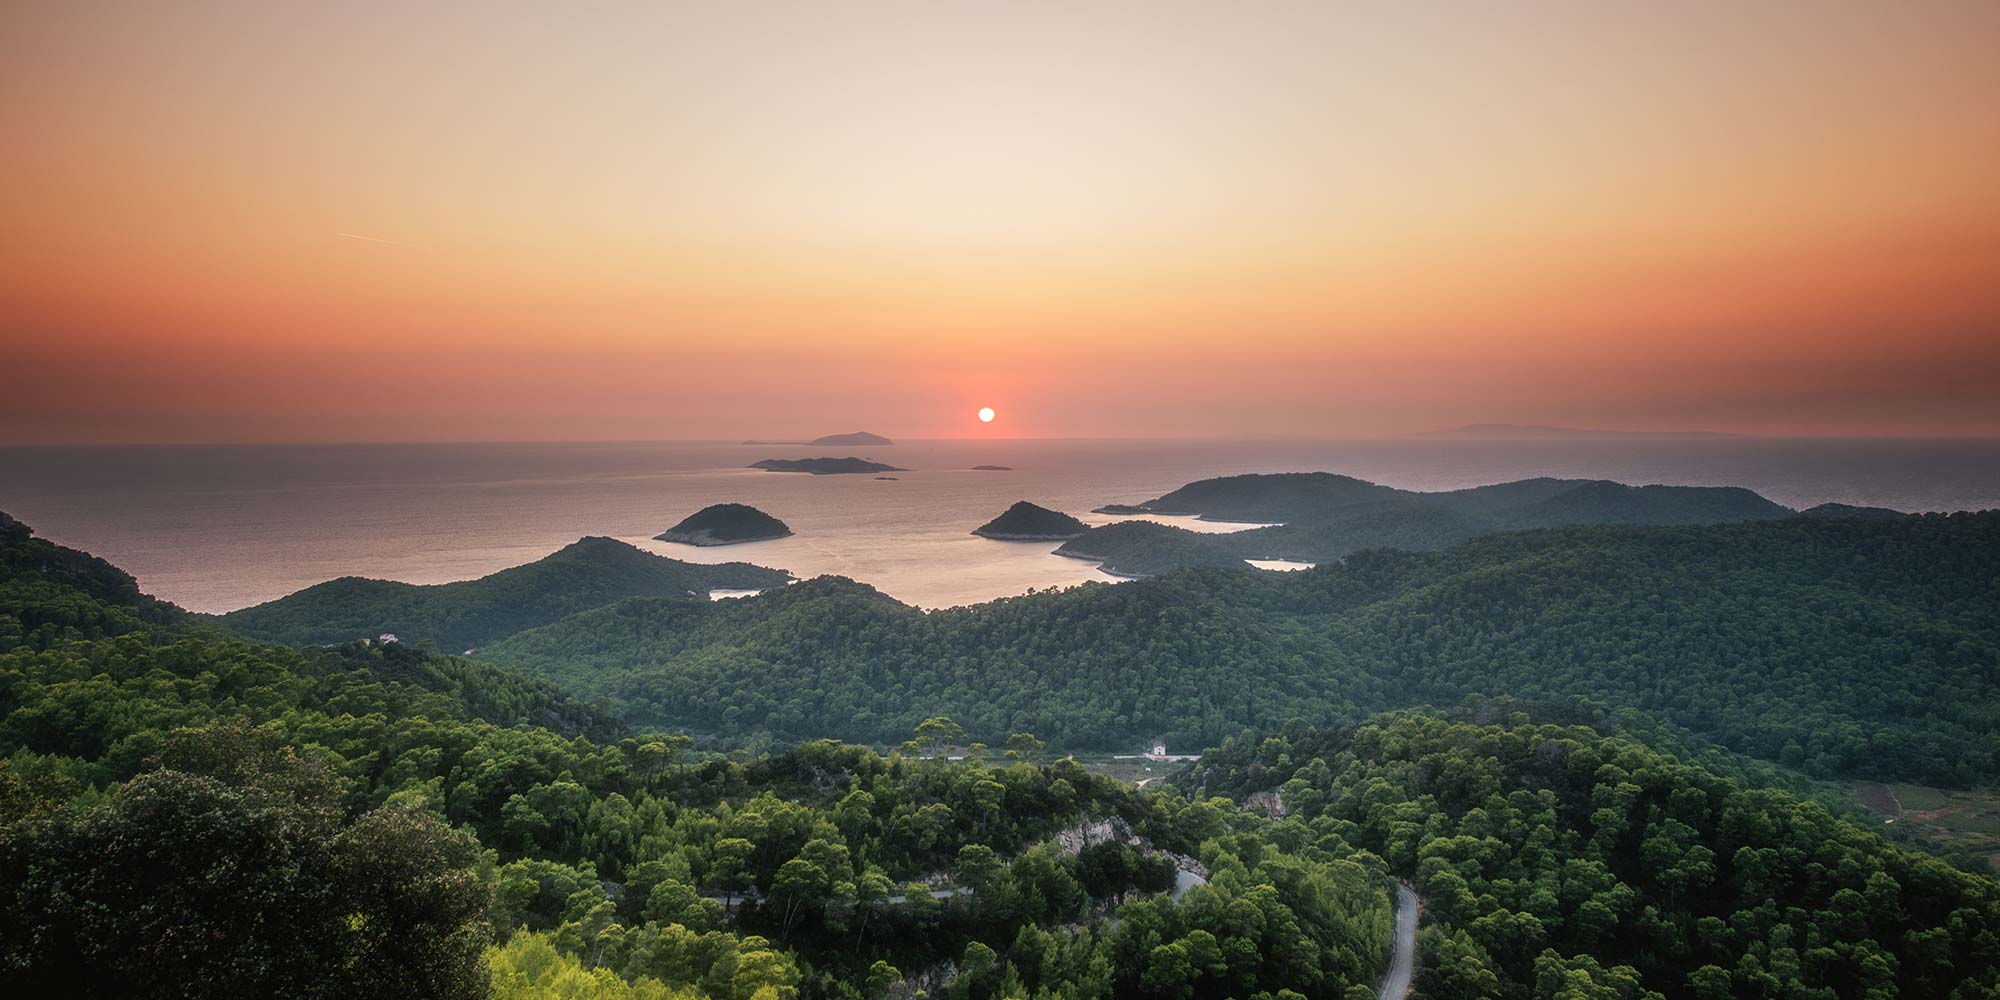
[(1953, 820)]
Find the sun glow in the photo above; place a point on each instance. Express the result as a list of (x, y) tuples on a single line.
[(985, 414)]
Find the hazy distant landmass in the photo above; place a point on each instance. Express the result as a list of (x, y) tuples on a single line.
[(1518, 431), (725, 524), (856, 438), (584, 574), (992, 468), (1027, 522), (850, 439), (824, 466)]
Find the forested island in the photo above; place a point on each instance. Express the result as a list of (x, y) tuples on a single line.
[(824, 466), (725, 524), (588, 573), (383, 819), (1026, 522)]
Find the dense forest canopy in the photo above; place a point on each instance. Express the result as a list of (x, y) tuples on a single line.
[(1823, 643), (179, 806), (187, 807), (588, 573), (1556, 860)]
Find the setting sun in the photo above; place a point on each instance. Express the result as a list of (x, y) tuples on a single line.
[(985, 414)]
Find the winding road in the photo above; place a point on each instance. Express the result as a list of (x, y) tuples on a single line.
[(1402, 962)]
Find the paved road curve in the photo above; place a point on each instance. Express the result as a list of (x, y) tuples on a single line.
[(1396, 982)]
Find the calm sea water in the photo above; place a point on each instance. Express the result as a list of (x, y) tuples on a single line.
[(215, 528)]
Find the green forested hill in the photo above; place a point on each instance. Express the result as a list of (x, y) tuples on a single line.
[(184, 812), (588, 573), (181, 808), (1826, 644), (1557, 860)]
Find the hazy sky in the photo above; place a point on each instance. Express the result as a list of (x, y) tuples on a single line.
[(378, 222)]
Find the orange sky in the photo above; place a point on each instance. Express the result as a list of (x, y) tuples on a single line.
[(362, 222)]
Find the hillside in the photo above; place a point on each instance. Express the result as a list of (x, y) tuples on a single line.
[(585, 574), (1819, 643), (725, 524), (1571, 854), (1604, 502), (1026, 522), (1142, 548), (181, 808)]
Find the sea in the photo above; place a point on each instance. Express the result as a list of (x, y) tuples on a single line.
[(218, 527)]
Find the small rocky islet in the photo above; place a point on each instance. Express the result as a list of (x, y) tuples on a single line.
[(725, 524), (1027, 522)]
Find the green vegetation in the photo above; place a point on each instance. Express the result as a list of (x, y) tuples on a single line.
[(1962, 825), (182, 810), (1325, 517), (824, 466), (1559, 861), (1821, 644), (725, 524), (1142, 548), (179, 805), (1027, 522), (588, 573)]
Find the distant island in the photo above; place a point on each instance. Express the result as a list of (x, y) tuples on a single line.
[(1026, 522), (824, 466), (886, 479), (850, 440), (725, 524), (992, 468)]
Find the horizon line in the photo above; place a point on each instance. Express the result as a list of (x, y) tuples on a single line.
[(1468, 432)]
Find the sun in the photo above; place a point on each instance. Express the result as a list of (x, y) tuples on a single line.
[(985, 414)]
